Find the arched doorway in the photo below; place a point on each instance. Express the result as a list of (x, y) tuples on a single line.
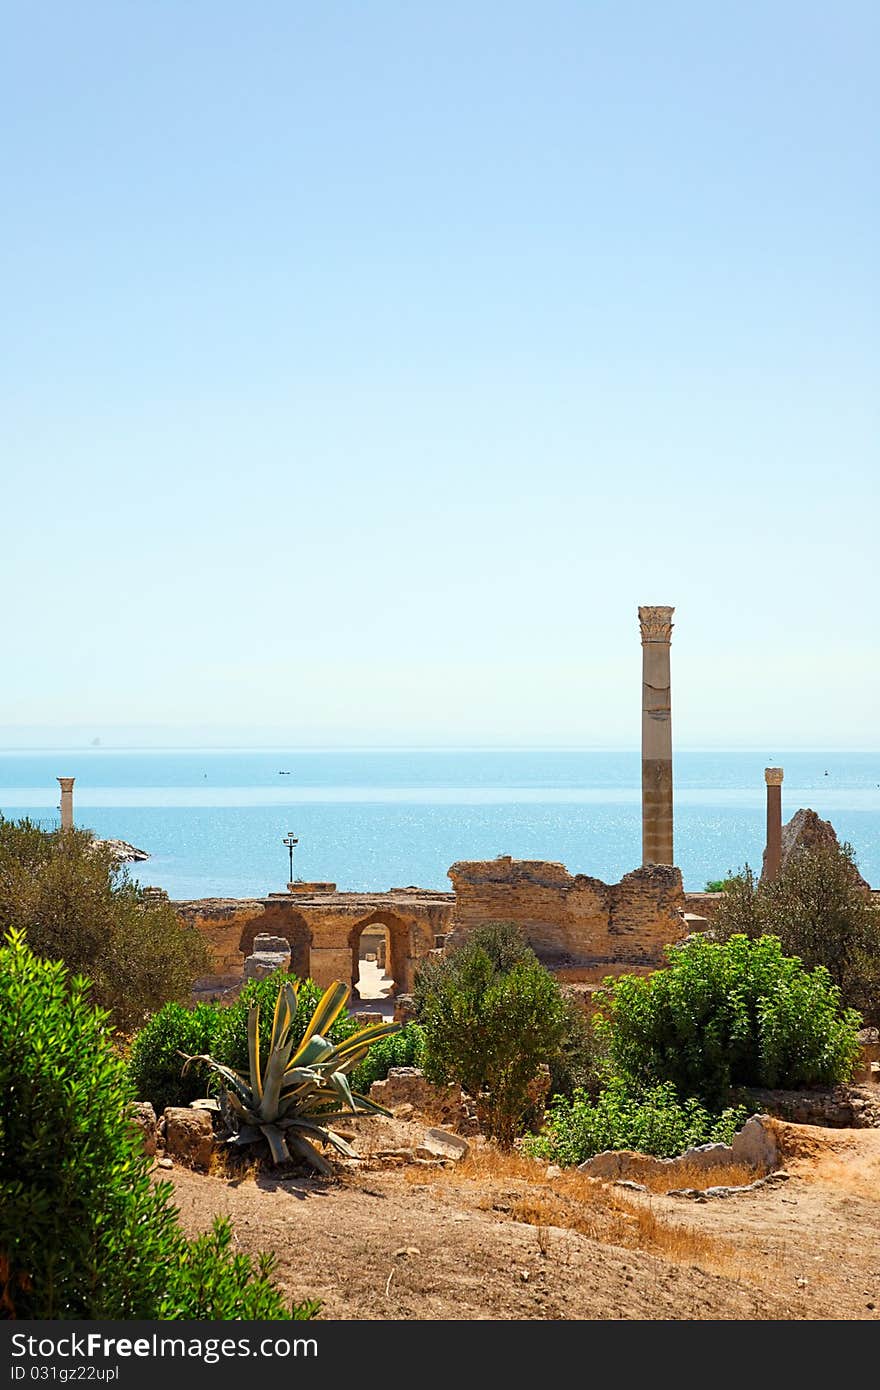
[(380, 950), (278, 920)]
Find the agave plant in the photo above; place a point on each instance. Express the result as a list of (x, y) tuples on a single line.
[(287, 1100)]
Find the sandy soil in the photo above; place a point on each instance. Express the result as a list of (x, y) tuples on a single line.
[(496, 1238)]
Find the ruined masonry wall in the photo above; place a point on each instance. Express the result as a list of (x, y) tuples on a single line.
[(579, 926)]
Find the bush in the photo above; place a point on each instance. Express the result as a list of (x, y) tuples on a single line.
[(84, 1233), (724, 1014), (819, 909), (493, 1017), (403, 1049), (76, 904), (651, 1121), (155, 1064)]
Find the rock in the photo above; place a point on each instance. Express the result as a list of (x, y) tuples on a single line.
[(189, 1135), (553, 1171), (754, 1146), (440, 1144), (121, 851), (807, 832), (206, 1103), (404, 1008), (165, 1163), (406, 1250), (277, 945), (144, 1119), (408, 1086), (270, 953), (403, 1112)]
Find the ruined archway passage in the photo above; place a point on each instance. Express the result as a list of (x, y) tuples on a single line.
[(397, 963)]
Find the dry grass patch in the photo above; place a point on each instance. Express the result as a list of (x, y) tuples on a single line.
[(599, 1210), (692, 1175)]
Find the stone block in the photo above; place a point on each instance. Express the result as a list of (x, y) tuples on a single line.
[(143, 1118), (407, 1086), (189, 1135), (437, 1143), (276, 945)]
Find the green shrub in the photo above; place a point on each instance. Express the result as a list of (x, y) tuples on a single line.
[(493, 1017), (403, 1049), (720, 885), (819, 909), (77, 904), (155, 1065), (291, 1090), (725, 1014), (652, 1121), (84, 1233)]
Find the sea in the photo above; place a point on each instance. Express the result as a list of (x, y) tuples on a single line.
[(214, 822)]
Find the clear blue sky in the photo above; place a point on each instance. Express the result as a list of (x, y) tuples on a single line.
[(365, 366)]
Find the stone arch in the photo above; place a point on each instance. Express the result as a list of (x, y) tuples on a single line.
[(277, 919), (399, 962)]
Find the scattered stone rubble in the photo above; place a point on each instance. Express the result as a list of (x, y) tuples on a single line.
[(270, 953), (753, 1147)]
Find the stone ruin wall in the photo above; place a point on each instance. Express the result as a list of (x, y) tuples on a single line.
[(324, 933), (579, 927)]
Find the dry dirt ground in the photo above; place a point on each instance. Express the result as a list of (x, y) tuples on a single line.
[(495, 1237)]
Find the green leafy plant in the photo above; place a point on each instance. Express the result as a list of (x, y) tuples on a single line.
[(287, 1099), (493, 1018), (77, 904), (651, 1120), (155, 1064), (819, 909), (720, 885), (726, 1014), (403, 1049), (84, 1231)]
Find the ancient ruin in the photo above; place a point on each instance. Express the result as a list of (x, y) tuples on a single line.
[(580, 927), (323, 931), (773, 850), (66, 784), (656, 630)]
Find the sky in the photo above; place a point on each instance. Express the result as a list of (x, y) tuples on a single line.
[(364, 367)]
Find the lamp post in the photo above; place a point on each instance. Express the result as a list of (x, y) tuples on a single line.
[(290, 840)]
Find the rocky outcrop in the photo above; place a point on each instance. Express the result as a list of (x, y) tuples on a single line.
[(578, 926), (121, 851), (807, 833)]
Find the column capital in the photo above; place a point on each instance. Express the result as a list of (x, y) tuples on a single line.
[(656, 624), (773, 776), (66, 783)]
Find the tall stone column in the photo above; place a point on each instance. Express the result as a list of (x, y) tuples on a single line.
[(656, 626), (773, 852), (66, 802)]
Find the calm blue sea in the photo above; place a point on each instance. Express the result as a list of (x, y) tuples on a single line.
[(214, 822)]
